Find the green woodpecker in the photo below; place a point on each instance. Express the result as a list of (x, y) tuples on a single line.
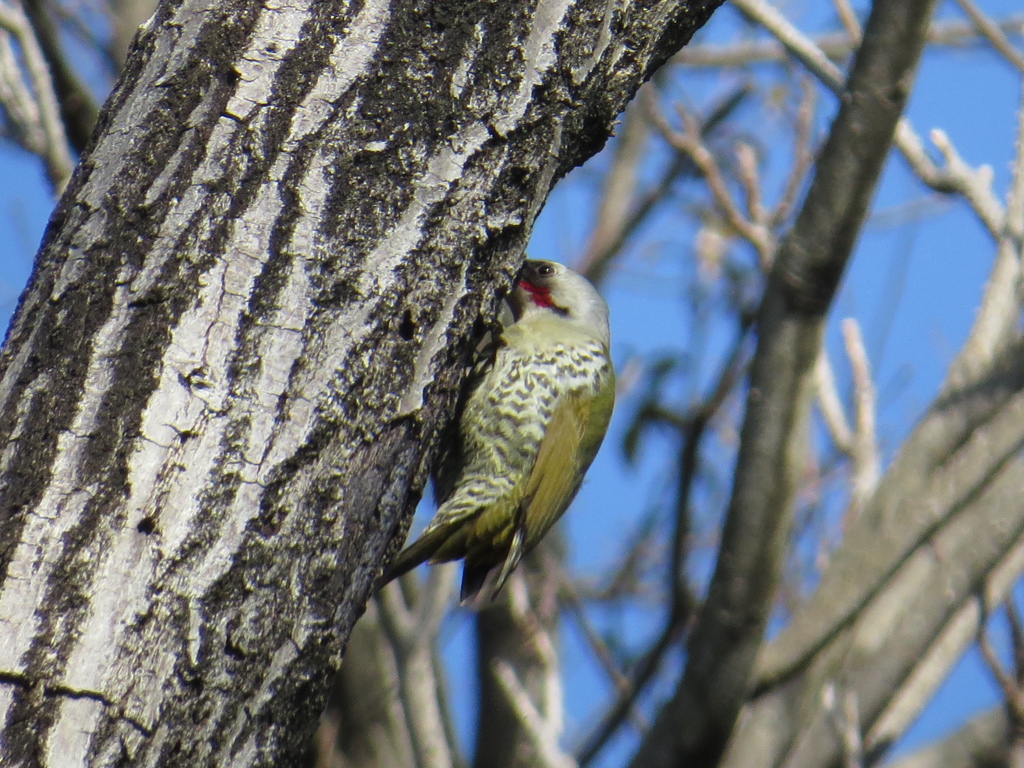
[(528, 432)]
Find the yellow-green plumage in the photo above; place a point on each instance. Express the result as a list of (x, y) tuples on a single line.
[(528, 432)]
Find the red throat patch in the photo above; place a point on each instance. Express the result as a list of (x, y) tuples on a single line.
[(540, 296)]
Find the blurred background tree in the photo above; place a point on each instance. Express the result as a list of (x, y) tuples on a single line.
[(808, 513)]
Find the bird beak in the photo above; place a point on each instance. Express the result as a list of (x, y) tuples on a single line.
[(527, 292), (518, 300)]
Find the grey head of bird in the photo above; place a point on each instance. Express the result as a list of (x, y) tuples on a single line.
[(544, 287)]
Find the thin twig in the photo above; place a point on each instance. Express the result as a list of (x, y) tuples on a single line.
[(802, 155), (996, 321), (853, 743), (571, 599), (543, 646), (831, 407), (1015, 749), (445, 709), (975, 186), (1012, 692), (845, 718), (21, 108), (617, 194), (835, 45), (415, 626), (683, 603), (1016, 637), (395, 616), (732, 372), (849, 21), (412, 630), (865, 449), (690, 141), (55, 153), (78, 109), (543, 739), (603, 247), (746, 163), (639, 676), (990, 30)]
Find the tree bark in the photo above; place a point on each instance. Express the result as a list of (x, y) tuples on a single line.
[(222, 390)]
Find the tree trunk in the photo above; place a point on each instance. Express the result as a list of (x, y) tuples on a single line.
[(221, 393)]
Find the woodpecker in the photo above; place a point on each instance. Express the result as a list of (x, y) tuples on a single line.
[(529, 430)]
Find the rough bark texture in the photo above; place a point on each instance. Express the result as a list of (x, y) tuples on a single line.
[(221, 393)]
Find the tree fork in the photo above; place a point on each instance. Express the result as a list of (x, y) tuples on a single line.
[(222, 390)]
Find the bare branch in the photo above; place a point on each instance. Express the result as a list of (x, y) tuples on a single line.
[(617, 194), (682, 604), (951, 640), (865, 450), (364, 725), (54, 143), (77, 108), (990, 30), (1010, 684), (996, 322), (1013, 620), (846, 720), (1006, 682), (954, 178), (16, 97), (570, 597), (830, 406), (980, 742), (639, 676), (978, 431), (544, 739), (849, 20), (412, 632), (691, 142), (746, 163), (795, 42), (529, 681), (601, 250), (803, 155), (835, 45), (543, 646)]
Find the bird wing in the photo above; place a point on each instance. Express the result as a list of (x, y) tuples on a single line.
[(570, 443), (556, 473)]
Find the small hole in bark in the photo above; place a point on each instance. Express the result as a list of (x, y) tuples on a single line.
[(233, 650), (146, 526), (407, 328)]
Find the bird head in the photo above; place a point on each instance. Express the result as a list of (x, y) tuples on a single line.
[(548, 287)]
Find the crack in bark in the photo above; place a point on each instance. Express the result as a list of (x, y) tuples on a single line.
[(51, 691)]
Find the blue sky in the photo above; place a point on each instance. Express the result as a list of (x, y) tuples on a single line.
[(914, 288)]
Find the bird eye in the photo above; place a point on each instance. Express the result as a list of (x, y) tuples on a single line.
[(545, 270)]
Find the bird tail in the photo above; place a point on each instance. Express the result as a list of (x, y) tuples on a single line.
[(481, 582), (418, 552)]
